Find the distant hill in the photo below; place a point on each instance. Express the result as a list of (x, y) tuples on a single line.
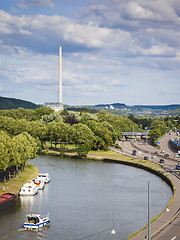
[(138, 107), (115, 105), (159, 107), (12, 103)]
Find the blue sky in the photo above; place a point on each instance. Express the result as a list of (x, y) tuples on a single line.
[(125, 51)]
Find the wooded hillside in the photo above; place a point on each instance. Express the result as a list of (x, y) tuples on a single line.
[(12, 103)]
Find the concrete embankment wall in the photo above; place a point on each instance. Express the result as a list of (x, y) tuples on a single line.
[(142, 166)]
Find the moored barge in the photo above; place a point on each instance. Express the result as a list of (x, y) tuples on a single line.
[(7, 202)]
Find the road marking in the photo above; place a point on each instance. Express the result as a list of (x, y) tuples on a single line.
[(173, 238)]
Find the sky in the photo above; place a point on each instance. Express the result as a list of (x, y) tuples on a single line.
[(113, 51)]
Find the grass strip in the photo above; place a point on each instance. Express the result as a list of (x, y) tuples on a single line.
[(15, 184)]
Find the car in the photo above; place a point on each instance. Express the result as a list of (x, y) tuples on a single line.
[(177, 154), (153, 156), (166, 155), (161, 160), (162, 151), (134, 150), (178, 166), (145, 157), (134, 153)]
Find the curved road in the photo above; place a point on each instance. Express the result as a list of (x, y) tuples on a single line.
[(172, 230)]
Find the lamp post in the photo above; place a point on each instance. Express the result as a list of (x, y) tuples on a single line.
[(149, 223), (165, 143), (146, 139), (175, 127)]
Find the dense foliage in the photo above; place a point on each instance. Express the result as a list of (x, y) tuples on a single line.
[(16, 150), (84, 129)]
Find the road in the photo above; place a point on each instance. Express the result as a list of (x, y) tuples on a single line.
[(172, 231), (152, 153)]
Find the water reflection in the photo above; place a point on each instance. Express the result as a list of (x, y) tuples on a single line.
[(26, 201)]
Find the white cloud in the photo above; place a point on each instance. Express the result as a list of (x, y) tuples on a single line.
[(137, 11), (39, 28), (161, 50), (110, 49)]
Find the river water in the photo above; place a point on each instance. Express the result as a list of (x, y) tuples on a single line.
[(86, 200)]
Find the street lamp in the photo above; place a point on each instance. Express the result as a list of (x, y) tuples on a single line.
[(146, 138), (149, 223), (175, 127)]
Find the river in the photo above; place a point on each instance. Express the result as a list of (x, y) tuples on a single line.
[(86, 200)]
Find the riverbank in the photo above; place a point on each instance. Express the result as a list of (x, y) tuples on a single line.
[(14, 184), (170, 212)]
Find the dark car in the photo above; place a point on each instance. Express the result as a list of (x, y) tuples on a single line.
[(166, 155), (161, 160), (145, 157), (134, 152), (178, 166)]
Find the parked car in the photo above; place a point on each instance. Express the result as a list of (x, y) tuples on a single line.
[(161, 160), (166, 155), (162, 151), (145, 157), (153, 156), (178, 166)]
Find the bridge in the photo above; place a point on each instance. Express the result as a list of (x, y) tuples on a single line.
[(141, 134)]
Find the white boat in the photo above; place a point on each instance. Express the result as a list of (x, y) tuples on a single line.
[(35, 221), (28, 189), (44, 176), (39, 183)]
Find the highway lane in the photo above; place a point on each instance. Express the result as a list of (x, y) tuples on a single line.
[(152, 153), (170, 233), (127, 149)]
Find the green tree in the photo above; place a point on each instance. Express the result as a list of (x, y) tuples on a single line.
[(157, 129), (83, 137), (4, 151)]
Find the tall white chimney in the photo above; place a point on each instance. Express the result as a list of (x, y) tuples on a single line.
[(60, 76)]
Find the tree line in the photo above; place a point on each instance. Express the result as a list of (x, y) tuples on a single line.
[(26, 131), (86, 130), (15, 150)]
